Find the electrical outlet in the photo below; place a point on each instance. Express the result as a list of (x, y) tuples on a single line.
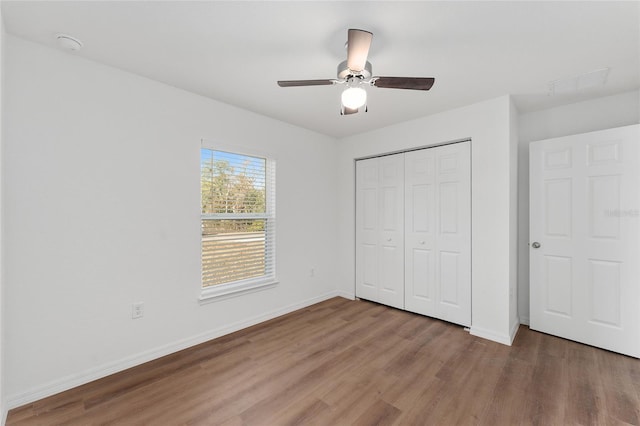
[(137, 310)]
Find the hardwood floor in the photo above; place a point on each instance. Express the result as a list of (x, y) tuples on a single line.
[(345, 362)]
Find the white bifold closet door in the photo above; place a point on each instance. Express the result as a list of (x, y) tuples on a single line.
[(438, 232), (413, 231), (380, 230)]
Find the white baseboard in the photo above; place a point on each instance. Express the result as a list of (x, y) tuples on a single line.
[(74, 380), (525, 320), (3, 413), (485, 333), (346, 295)]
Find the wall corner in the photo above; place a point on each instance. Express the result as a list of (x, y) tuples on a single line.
[(3, 405), (513, 218)]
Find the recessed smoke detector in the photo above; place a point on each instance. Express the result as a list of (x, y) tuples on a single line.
[(596, 78), (68, 43)]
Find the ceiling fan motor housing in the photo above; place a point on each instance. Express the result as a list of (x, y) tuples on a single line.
[(344, 72)]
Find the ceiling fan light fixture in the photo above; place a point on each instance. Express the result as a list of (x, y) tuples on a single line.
[(354, 97), (356, 72)]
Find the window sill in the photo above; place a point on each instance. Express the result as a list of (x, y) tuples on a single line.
[(227, 291)]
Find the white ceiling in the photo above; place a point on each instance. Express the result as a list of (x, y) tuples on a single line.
[(235, 52)]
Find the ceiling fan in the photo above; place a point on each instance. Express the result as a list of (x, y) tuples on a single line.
[(355, 74)]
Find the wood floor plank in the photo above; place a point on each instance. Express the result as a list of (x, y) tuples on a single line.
[(621, 392), (476, 390), (282, 396), (550, 385), (343, 362), (305, 412), (379, 413), (513, 389), (245, 393)]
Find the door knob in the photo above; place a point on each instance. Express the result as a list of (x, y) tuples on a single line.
[(421, 242), (535, 245)]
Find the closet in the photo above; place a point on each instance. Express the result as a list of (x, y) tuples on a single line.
[(413, 231)]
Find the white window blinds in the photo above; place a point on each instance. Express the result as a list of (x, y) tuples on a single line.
[(238, 218)]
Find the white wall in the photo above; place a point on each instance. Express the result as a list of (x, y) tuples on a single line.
[(493, 210), (603, 113), (3, 406), (101, 174)]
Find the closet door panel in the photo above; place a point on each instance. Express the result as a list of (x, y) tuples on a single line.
[(367, 282), (420, 192), (391, 235), (453, 174), (380, 230)]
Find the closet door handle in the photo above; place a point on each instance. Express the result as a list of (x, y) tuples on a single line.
[(388, 239), (422, 242)]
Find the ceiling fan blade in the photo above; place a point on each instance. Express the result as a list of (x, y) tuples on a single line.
[(413, 83), (298, 83), (358, 45)]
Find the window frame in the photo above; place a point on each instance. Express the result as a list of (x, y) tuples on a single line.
[(249, 285)]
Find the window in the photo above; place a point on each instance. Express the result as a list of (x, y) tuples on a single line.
[(238, 222)]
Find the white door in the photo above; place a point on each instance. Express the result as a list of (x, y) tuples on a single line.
[(438, 232), (380, 230), (585, 238)]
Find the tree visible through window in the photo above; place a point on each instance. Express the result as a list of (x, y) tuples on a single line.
[(237, 218)]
